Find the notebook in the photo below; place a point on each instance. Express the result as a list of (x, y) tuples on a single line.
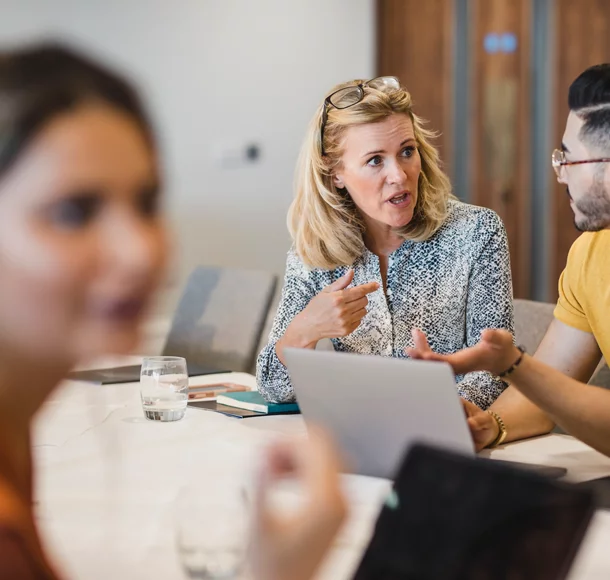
[(250, 398), (211, 392), (254, 401)]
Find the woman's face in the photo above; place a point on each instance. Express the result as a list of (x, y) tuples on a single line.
[(380, 168), (82, 244)]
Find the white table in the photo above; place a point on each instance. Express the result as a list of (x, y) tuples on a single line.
[(107, 480)]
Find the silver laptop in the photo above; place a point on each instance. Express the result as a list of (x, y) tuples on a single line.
[(377, 407)]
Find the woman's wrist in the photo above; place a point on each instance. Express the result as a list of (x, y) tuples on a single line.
[(300, 334), (297, 335)]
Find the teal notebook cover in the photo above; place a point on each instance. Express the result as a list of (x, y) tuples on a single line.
[(254, 401)]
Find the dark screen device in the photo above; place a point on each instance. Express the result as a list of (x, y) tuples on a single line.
[(129, 374), (601, 489), (452, 517), (552, 471)]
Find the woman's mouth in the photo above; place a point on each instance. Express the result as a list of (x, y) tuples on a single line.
[(122, 310), (400, 199)]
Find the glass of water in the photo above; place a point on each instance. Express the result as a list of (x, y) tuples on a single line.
[(212, 527), (164, 384)]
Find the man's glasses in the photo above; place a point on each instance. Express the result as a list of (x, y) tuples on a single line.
[(349, 96), (558, 159)]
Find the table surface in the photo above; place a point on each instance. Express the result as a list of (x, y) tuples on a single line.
[(107, 480)]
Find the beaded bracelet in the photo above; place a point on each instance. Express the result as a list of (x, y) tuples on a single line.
[(509, 370)]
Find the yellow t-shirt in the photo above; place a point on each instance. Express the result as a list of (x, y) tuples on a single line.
[(584, 288)]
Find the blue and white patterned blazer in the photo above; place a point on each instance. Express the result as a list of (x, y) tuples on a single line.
[(452, 286)]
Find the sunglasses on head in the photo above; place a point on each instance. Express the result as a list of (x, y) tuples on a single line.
[(349, 96)]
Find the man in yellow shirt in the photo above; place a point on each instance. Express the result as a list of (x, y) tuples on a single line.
[(550, 387)]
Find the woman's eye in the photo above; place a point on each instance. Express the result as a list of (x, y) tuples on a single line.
[(74, 212), (374, 161), (148, 201), (408, 151)]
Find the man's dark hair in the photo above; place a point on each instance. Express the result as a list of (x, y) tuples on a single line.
[(589, 98)]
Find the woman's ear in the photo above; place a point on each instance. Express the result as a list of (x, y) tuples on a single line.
[(338, 182)]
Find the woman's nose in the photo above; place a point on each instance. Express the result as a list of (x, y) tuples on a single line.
[(396, 174), (136, 247)]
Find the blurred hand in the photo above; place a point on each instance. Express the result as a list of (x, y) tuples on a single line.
[(292, 547), (336, 311), (494, 353), (483, 427)]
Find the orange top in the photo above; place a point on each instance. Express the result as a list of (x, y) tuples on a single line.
[(21, 555)]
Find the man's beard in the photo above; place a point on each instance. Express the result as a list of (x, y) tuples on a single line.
[(594, 209)]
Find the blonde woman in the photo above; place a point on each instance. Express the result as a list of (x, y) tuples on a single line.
[(380, 245)]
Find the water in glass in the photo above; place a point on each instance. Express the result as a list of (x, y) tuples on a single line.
[(164, 388)]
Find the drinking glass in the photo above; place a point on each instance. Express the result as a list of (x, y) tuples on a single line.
[(212, 525), (164, 384)]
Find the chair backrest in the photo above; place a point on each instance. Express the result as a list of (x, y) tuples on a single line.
[(532, 320), (601, 377), (220, 317)]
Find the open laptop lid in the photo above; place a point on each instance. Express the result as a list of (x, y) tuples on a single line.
[(376, 407)]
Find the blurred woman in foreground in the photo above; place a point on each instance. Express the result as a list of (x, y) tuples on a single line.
[(82, 248)]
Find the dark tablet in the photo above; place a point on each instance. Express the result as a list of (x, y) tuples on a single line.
[(552, 471), (129, 374), (601, 489), (453, 517)]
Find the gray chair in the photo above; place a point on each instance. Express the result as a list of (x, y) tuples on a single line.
[(220, 318), (601, 377), (532, 320)]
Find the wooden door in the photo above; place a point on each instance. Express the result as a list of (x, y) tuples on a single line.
[(500, 118), (416, 41), (582, 39)]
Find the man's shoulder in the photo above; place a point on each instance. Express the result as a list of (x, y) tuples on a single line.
[(589, 249)]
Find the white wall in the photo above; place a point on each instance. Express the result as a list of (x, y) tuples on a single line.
[(218, 74)]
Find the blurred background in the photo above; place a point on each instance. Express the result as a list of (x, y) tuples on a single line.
[(232, 84)]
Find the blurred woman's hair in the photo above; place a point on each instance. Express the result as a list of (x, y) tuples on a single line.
[(39, 82), (324, 222)]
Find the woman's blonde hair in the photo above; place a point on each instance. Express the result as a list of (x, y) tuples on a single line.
[(324, 222)]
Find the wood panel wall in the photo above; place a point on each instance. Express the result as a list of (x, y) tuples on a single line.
[(500, 118), (415, 43)]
